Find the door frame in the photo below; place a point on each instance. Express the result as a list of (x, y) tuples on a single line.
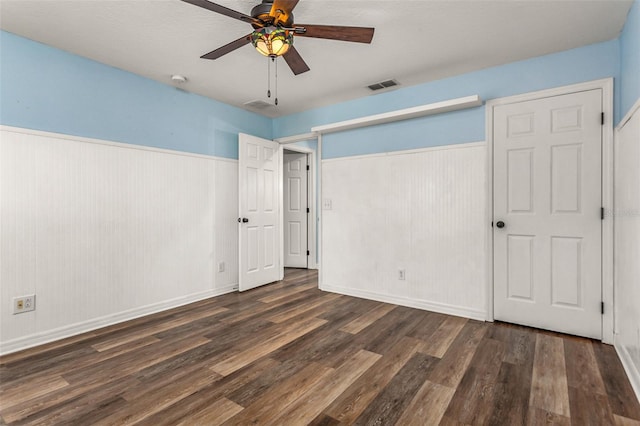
[(606, 85), (311, 202)]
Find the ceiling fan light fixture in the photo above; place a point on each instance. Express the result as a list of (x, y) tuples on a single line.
[(272, 41)]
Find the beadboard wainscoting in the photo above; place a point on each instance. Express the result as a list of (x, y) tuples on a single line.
[(420, 211), (627, 244), (103, 232)]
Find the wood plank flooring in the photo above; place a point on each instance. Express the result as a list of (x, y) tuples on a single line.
[(289, 354)]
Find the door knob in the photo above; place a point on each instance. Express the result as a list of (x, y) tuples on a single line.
[(243, 220), (500, 224)]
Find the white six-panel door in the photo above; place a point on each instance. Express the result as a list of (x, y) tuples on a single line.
[(547, 217), (295, 210), (259, 211)]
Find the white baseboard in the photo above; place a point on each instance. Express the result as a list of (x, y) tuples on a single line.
[(629, 367), (37, 339), (442, 308)]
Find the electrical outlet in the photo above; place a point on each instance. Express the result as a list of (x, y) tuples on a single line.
[(221, 267), (326, 204), (401, 274), (24, 304)]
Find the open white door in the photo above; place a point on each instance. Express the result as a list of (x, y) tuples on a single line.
[(259, 172)]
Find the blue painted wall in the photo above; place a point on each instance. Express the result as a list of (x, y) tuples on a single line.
[(44, 88), (587, 63), (630, 60)]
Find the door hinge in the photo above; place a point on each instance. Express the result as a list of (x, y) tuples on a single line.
[(601, 213), (602, 308), (307, 167), (602, 118), (308, 210), (308, 253)]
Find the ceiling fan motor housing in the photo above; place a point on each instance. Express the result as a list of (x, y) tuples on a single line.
[(263, 13)]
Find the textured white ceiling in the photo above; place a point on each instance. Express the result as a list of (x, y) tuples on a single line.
[(415, 41)]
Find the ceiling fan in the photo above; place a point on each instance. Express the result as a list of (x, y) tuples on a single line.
[(274, 30)]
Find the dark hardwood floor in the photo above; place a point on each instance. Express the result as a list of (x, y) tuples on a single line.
[(289, 354)]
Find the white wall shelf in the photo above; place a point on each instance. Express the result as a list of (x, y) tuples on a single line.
[(403, 114)]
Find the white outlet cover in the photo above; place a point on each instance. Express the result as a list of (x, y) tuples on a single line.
[(326, 204), (28, 304)]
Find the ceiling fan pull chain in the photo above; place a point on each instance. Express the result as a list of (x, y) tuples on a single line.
[(268, 78), (276, 61)]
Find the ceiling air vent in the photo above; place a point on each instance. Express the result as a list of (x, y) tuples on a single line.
[(258, 104), (383, 85)]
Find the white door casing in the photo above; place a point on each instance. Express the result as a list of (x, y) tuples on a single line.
[(295, 210), (259, 211), (548, 192), (313, 185)]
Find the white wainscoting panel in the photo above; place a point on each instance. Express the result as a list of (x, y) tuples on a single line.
[(226, 224), (105, 232), (627, 246), (420, 211)]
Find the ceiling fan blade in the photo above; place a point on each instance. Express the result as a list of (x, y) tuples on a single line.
[(236, 44), (295, 61), (286, 6), (335, 32), (225, 11)]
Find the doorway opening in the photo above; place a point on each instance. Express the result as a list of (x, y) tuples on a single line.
[(298, 208)]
